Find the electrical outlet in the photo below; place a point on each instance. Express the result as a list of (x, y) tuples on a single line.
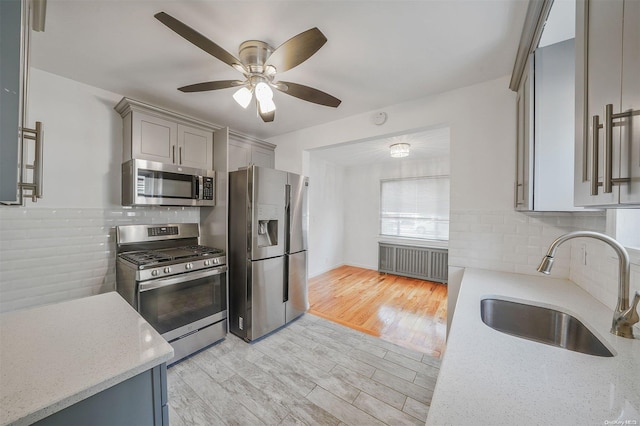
[(583, 254)]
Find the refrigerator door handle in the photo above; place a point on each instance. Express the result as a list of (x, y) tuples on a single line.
[(285, 287), (287, 218)]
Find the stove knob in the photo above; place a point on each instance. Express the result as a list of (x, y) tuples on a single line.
[(188, 266), (154, 273), (167, 270), (216, 261), (207, 262)]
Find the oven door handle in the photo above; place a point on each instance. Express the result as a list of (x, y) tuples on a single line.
[(164, 282)]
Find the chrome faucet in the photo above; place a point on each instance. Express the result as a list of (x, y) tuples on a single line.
[(625, 316)]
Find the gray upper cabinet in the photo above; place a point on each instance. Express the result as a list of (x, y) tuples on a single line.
[(544, 79), (554, 104), (21, 152), (545, 130), (195, 147), (153, 134), (244, 151), (10, 99), (607, 145)]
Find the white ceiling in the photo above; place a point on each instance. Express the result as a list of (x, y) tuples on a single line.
[(379, 53), (432, 143)]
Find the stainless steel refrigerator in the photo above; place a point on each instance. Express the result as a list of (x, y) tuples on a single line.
[(267, 254)]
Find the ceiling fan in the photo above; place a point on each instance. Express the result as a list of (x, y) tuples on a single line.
[(259, 63)]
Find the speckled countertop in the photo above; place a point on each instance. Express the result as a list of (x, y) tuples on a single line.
[(490, 378), (56, 355)]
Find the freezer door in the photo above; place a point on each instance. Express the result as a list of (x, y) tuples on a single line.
[(298, 300), (267, 188), (298, 212), (267, 290)]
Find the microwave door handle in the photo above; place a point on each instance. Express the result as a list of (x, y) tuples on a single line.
[(195, 187)]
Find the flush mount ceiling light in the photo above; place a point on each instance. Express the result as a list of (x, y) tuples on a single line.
[(259, 63), (399, 150)]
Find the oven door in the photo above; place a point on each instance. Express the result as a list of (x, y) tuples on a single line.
[(179, 305)]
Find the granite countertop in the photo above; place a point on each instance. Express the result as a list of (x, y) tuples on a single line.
[(488, 377), (56, 355)]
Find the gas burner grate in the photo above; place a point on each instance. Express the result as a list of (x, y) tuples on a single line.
[(204, 250), (144, 257)]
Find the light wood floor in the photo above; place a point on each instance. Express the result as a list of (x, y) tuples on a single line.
[(408, 312)]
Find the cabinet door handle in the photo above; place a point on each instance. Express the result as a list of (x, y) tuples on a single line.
[(594, 154), (180, 151), (37, 172), (173, 153), (608, 149), (35, 185)]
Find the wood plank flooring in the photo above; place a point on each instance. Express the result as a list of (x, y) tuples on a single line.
[(409, 312), (310, 372)]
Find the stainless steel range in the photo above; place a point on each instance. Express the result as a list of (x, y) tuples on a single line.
[(177, 285)]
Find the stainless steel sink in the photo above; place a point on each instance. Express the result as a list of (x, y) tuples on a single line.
[(542, 325)]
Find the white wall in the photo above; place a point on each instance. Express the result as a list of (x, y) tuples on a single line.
[(63, 246), (83, 142), (326, 216)]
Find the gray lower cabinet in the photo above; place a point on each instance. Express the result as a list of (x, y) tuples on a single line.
[(140, 400), (425, 263)]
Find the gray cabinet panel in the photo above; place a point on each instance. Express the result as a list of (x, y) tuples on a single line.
[(630, 133), (10, 80), (608, 65), (246, 151), (140, 400)]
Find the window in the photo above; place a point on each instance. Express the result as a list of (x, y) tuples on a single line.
[(415, 208)]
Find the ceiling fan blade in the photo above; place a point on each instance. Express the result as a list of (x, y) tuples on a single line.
[(309, 94), (296, 50), (199, 40), (211, 85)]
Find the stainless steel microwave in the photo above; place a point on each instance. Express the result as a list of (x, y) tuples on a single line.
[(151, 183)]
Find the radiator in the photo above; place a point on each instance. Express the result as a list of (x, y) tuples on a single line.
[(411, 261)]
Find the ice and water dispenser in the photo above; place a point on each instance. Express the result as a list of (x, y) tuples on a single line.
[(267, 225)]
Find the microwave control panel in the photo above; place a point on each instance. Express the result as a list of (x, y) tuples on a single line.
[(207, 188)]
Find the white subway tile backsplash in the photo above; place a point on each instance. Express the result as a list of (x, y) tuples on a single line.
[(512, 241), (515, 242), (50, 255)]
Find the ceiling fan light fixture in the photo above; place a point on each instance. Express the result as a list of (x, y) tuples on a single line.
[(266, 106), (263, 92), (399, 150), (243, 97)]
